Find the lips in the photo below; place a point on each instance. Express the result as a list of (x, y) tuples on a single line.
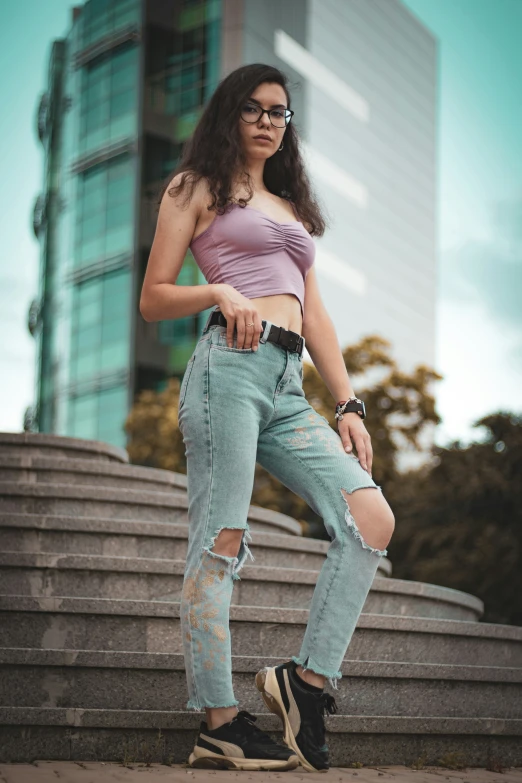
[(262, 136)]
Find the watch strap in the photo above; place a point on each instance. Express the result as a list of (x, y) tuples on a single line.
[(352, 405)]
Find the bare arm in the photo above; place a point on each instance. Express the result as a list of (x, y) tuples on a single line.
[(322, 343), (323, 346), (161, 298)]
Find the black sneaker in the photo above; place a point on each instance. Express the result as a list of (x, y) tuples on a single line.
[(239, 744), (300, 710)]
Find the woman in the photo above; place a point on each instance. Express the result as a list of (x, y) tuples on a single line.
[(249, 217)]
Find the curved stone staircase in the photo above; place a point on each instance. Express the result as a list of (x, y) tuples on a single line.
[(91, 565)]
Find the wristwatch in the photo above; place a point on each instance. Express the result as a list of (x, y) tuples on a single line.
[(352, 405)]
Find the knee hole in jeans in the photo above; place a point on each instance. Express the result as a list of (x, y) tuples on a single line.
[(232, 548), (228, 541), (375, 531)]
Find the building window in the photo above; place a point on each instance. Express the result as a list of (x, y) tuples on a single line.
[(109, 99), (104, 17), (105, 225), (99, 416), (101, 325)]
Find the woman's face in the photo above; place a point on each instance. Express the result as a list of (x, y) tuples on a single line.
[(268, 95)]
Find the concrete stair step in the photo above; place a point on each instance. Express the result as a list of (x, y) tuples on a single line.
[(40, 533), (95, 576), (135, 538), (35, 444), (153, 626), (91, 679), (110, 502), (168, 736), (86, 677), (95, 472)]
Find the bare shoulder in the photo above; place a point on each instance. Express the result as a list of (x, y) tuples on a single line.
[(203, 193), (194, 193)]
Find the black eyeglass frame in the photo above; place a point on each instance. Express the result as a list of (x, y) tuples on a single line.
[(267, 111)]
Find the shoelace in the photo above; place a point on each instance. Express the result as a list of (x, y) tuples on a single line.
[(247, 722), (327, 703)]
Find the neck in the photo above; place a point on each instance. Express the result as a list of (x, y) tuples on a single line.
[(255, 168)]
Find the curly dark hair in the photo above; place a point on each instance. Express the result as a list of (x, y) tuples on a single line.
[(284, 173)]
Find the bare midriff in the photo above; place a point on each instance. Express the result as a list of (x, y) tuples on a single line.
[(281, 309)]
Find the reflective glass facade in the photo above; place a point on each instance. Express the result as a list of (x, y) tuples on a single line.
[(102, 18), (105, 210), (100, 334), (109, 98), (125, 89), (48, 309)]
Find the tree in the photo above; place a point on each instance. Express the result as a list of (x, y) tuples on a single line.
[(152, 424), (460, 519)]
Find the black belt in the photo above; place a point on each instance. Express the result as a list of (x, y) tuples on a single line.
[(292, 341)]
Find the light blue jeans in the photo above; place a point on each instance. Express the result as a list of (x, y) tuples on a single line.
[(238, 407)]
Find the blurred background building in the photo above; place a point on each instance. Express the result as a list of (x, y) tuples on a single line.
[(126, 88)]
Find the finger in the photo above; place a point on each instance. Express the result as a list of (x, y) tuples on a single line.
[(369, 455), (241, 329), (361, 451), (347, 441), (231, 325), (258, 331), (347, 446), (249, 331)]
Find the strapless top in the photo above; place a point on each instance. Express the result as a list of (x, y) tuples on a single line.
[(254, 253)]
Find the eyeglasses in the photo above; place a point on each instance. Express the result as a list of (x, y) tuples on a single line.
[(279, 118)]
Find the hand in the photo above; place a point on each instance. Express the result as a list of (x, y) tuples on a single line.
[(239, 311), (351, 426)]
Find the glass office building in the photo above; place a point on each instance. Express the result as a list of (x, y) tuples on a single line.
[(126, 88)]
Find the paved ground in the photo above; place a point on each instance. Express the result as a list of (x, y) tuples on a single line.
[(90, 772)]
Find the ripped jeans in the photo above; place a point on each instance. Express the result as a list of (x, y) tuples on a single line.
[(238, 407)]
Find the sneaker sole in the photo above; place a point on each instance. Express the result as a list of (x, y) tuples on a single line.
[(267, 685), (201, 758)]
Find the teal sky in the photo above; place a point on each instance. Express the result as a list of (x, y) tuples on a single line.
[(479, 328), (26, 33)]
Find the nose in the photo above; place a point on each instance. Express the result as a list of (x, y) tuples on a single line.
[(267, 121)]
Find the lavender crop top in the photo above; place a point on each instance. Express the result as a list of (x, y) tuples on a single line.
[(254, 253)]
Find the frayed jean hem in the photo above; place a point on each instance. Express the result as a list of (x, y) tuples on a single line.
[(332, 678), (197, 707)]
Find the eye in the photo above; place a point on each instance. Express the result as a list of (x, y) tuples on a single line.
[(249, 108), (278, 113)]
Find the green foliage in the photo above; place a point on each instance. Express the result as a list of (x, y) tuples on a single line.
[(459, 521), (420, 762), (454, 759), (152, 424)]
